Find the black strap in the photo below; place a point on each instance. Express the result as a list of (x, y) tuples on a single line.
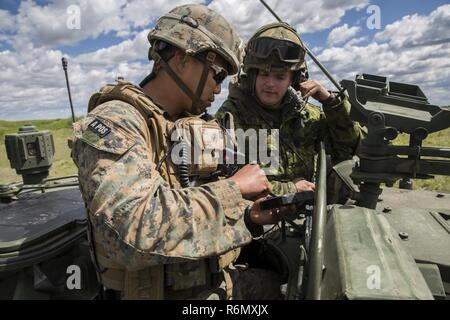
[(195, 99), (202, 82), (200, 87)]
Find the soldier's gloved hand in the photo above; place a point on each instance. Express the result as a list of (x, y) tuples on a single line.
[(251, 181), (271, 216), (304, 185), (313, 88)]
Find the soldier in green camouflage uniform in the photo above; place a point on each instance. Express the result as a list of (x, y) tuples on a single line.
[(151, 238), (269, 96)]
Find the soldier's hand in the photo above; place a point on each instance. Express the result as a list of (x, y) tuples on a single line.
[(313, 88), (304, 185), (270, 216), (252, 182)]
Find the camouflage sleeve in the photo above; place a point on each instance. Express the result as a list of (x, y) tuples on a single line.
[(229, 106), (280, 188), (220, 114), (342, 135), (138, 218)]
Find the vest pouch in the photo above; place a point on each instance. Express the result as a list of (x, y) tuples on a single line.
[(145, 284), (186, 275), (206, 142)]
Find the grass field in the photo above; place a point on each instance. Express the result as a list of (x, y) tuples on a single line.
[(63, 165)]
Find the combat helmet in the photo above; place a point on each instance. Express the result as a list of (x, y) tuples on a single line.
[(196, 29), (276, 47)]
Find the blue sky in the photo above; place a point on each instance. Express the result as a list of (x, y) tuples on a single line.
[(112, 42), (391, 11)]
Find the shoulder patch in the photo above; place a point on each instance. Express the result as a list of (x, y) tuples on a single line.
[(105, 135), (99, 128)]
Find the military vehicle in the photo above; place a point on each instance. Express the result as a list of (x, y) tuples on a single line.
[(380, 243), (377, 242), (44, 253)]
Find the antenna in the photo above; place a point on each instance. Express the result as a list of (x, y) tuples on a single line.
[(64, 64)]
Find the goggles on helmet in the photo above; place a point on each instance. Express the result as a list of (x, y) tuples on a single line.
[(288, 51)]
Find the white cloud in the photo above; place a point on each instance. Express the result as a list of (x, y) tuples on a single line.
[(139, 13), (307, 16), (356, 41), (34, 79), (47, 25), (128, 50), (418, 30), (342, 33), (413, 50), (316, 50), (7, 21), (32, 83)]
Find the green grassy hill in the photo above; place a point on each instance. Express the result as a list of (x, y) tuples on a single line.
[(63, 165)]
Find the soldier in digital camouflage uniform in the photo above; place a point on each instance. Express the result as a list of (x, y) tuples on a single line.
[(152, 239), (267, 97)]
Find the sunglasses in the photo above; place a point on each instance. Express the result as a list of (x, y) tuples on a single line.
[(219, 73)]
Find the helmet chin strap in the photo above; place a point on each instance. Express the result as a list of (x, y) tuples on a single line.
[(197, 104)]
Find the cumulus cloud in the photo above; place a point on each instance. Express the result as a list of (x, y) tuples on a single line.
[(356, 41), (342, 33), (411, 50), (305, 16), (7, 21), (54, 24), (128, 50), (32, 83), (139, 13), (48, 25), (416, 30), (34, 80)]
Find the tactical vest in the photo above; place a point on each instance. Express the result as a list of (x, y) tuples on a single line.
[(171, 281)]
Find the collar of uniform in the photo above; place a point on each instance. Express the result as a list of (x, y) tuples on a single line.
[(159, 108), (292, 104)]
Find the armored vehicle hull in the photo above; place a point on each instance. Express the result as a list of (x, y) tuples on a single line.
[(44, 253)]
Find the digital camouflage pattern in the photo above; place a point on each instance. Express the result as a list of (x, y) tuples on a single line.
[(213, 33), (301, 127), (135, 214), (147, 234)]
